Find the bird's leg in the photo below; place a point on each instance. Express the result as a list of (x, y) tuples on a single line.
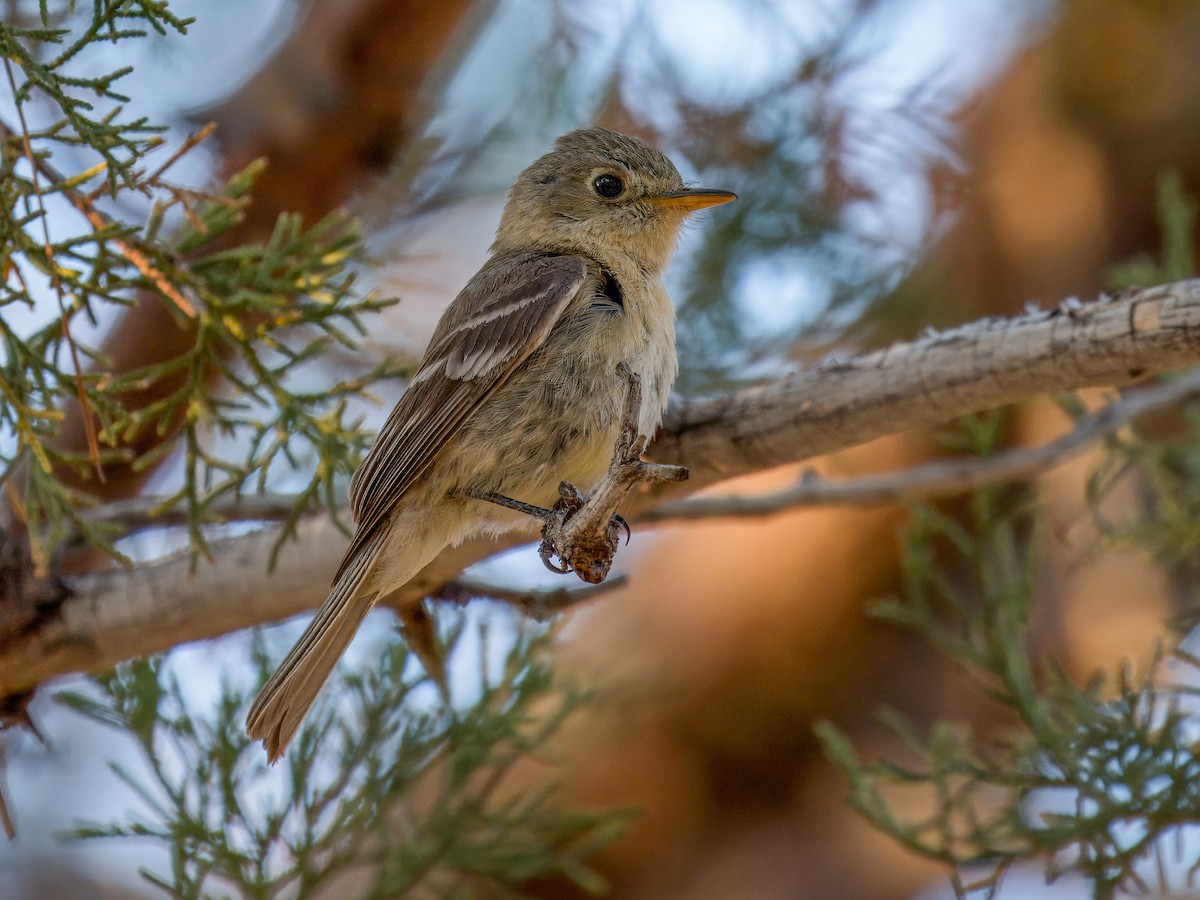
[(621, 522), (571, 500), (584, 530), (538, 512)]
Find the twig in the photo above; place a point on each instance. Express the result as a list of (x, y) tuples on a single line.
[(137, 258), (538, 605), (147, 512), (189, 143), (6, 822), (584, 531), (14, 712), (938, 479)]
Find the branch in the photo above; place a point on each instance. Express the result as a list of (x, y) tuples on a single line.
[(939, 479), (147, 511), (1114, 341), (983, 365), (538, 605)]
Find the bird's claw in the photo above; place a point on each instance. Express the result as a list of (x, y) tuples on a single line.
[(621, 522), (546, 552)]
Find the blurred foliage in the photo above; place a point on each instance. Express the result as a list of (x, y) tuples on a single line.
[(797, 230), (1177, 225), (1161, 459), (386, 785), (1095, 779), (259, 313), (797, 240), (1163, 465)]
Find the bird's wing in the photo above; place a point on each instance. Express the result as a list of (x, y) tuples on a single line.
[(499, 319)]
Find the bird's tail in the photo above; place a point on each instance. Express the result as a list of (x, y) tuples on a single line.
[(285, 699)]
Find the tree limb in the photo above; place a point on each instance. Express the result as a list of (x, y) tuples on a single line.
[(982, 365), (1114, 341), (942, 478), (538, 605)]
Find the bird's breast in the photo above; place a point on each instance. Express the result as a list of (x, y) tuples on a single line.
[(628, 319)]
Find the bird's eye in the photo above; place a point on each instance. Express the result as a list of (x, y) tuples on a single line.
[(608, 186)]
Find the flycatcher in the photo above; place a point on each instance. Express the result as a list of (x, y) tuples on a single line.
[(518, 389)]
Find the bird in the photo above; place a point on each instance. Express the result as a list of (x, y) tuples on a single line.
[(518, 390)]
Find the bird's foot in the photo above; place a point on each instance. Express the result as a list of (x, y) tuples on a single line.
[(584, 531), (589, 555)]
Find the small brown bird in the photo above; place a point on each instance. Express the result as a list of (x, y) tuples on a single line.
[(519, 387)]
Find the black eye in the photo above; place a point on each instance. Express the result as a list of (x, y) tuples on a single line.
[(608, 186)]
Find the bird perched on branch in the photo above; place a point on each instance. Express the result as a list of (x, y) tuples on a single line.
[(519, 388)]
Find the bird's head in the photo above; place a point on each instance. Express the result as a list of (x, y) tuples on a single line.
[(602, 194)]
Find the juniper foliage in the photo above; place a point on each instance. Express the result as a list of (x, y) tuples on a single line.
[(387, 791), (75, 168)]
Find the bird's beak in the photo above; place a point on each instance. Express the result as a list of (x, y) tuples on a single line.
[(693, 199)]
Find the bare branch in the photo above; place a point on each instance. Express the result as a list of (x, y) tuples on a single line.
[(993, 362), (939, 479), (538, 605), (1114, 341), (123, 613), (147, 512)]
